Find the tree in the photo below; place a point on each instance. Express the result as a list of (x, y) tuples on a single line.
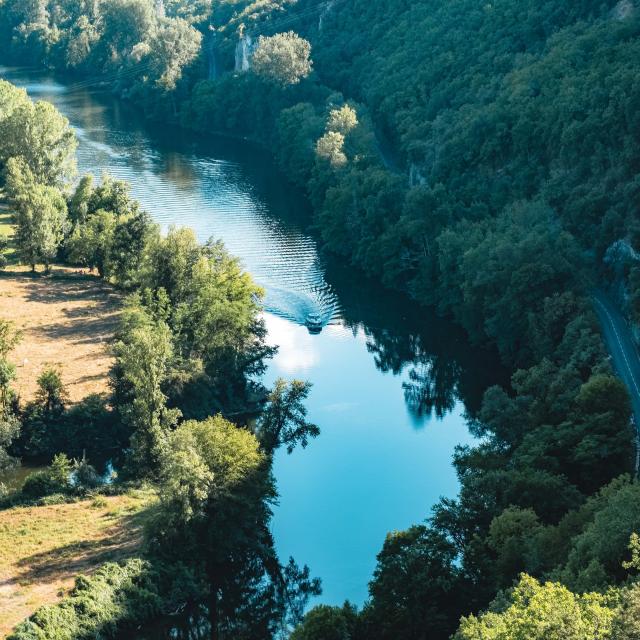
[(596, 553), (126, 23), (328, 623), (215, 314), (175, 45), (51, 394), (216, 490), (542, 612), (10, 337), (510, 536), (283, 58), (143, 357), (416, 586), (83, 36), (9, 431), (41, 137), (626, 623), (342, 120), (128, 250), (9, 423), (331, 147), (91, 243), (40, 216), (283, 421), (79, 201)]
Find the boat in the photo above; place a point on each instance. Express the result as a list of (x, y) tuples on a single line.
[(313, 322)]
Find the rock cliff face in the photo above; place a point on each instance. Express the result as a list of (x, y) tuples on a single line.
[(160, 11), (212, 55), (244, 49), (623, 10), (325, 12), (416, 177)]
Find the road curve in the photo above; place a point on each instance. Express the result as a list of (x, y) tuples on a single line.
[(624, 353)]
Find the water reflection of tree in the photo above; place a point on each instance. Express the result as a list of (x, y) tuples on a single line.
[(431, 355), (431, 380), (432, 388)]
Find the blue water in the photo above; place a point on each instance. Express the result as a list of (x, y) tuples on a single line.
[(391, 381)]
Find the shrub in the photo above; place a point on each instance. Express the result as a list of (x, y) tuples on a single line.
[(117, 595), (55, 479)]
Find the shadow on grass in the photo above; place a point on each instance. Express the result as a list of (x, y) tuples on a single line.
[(96, 321), (84, 556)]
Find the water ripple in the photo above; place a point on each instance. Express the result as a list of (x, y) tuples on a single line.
[(212, 195)]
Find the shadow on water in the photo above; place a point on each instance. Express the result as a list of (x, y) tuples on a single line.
[(392, 381), (439, 364)]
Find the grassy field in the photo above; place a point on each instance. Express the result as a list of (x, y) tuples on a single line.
[(42, 549), (68, 320)]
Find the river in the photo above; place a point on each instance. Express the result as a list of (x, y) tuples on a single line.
[(392, 382)]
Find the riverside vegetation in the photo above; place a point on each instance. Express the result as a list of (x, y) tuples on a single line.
[(484, 158)]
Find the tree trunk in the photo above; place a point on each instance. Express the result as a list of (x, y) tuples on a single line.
[(213, 607)]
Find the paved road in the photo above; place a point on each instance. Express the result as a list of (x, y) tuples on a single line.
[(622, 348)]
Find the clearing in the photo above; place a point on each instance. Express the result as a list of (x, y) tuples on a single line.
[(43, 549), (68, 320)]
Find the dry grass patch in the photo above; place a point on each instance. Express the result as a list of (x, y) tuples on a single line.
[(42, 549), (68, 321)]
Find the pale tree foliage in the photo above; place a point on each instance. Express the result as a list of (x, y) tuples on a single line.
[(39, 135), (10, 98), (342, 120), (40, 214), (340, 123), (331, 147), (543, 612), (176, 44), (284, 58)]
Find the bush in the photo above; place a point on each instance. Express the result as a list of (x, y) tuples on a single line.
[(85, 476), (39, 484), (117, 595), (55, 479)]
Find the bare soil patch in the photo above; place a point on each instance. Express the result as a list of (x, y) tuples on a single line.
[(68, 321)]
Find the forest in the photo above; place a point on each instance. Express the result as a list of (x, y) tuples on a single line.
[(482, 158)]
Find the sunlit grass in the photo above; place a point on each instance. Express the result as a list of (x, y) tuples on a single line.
[(42, 549)]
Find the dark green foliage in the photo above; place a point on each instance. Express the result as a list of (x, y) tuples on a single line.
[(216, 494), (283, 422), (55, 479), (116, 597), (415, 586), (506, 163), (144, 54), (329, 623)]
